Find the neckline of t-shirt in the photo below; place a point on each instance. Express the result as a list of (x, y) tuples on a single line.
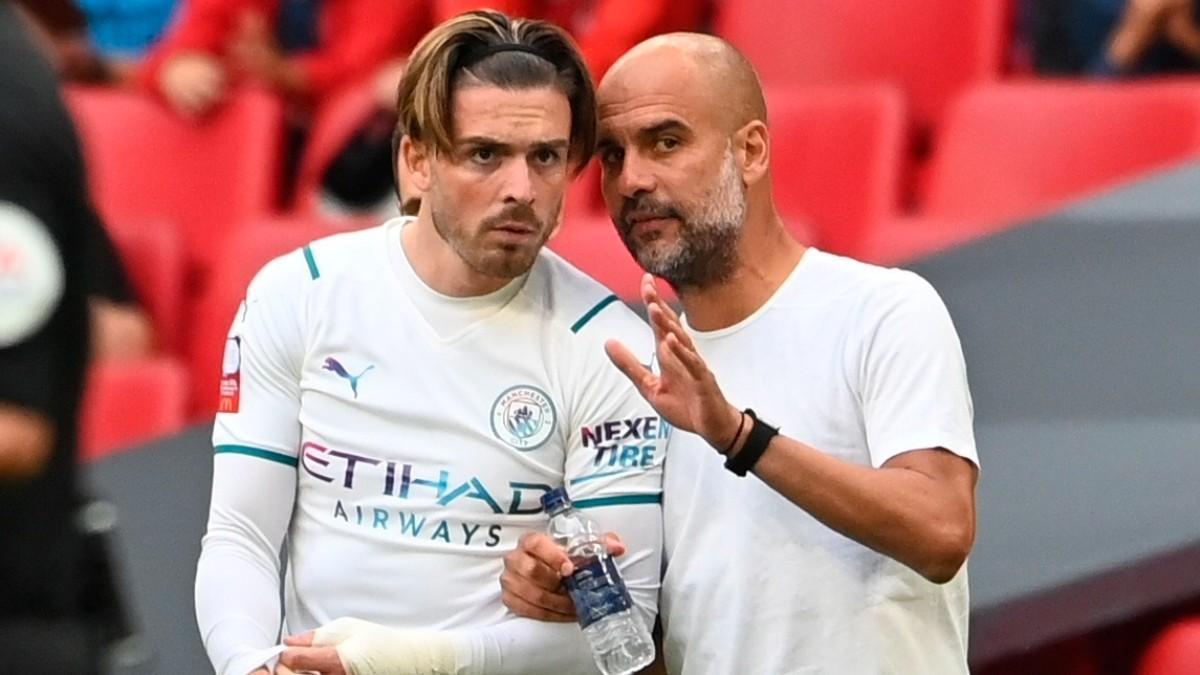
[(411, 282), (803, 264)]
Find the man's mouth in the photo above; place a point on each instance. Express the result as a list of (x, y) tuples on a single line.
[(644, 223)]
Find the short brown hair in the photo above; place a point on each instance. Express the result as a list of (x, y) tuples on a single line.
[(487, 47)]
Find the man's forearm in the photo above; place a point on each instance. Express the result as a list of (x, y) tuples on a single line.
[(237, 609), (899, 512), (514, 647), (524, 647), (237, 579)]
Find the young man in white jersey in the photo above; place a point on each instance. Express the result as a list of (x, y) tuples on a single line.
[(845, 551), (395, 401)]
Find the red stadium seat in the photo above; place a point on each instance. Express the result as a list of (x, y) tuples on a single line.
[(244, 253), (154, 259), (130, 402), (1010, 152), (1013, 150), (1176, 651), (837, 157), (932, 48), (148, 164)]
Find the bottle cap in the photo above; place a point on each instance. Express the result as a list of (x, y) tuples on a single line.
[(556, 500)]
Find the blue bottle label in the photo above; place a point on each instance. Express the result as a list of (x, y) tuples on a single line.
[(597, 589)]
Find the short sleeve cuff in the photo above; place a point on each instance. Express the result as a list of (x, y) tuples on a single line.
[(959, 445)]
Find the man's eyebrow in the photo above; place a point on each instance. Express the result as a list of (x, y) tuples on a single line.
[(607, 142), (488, 141), (553, 144), (663, 127), (480, 140)]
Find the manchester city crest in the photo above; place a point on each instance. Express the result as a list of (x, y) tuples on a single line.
[(523, 417)]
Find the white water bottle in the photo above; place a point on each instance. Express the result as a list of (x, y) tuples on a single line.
[(620, 642)]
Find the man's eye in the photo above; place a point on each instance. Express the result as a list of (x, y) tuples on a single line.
[(666, 144), (483, 155), (547, 157), (612, 156)]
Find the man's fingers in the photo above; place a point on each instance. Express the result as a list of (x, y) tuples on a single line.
[(532, 579), (650, 295), (650, 298), (522, 593), (613, 543), (324, 660), (691, 361), (666, 325), (542, 548), (676, 346), (522, 607), (647, 289), (281, 669), (628, 364), (669, 360), (521, 565), (301, 640), (659, 327)]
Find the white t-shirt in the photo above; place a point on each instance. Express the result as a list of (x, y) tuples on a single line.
[(409, 436), (862, 363)]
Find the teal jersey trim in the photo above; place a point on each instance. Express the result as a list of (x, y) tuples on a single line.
[(618, 500), (606, 474), (591, 313), (312, 263), (259, 453)]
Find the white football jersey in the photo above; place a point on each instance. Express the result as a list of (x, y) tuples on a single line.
[(424, 428)]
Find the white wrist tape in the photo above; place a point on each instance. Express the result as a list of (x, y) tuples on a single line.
[(367, 648)]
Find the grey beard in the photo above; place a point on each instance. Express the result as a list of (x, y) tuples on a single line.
[(705, 258)]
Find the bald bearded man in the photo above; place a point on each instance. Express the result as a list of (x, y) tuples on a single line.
[(845, 551)]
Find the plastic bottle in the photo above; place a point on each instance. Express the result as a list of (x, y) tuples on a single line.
[(620, 642)]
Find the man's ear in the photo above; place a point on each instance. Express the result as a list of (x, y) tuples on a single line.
[(752, 146), (413, 170)]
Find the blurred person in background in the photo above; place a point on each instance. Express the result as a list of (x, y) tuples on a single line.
[(121, 329), (1112, 38), (303, 49), (100, 41), (46, 590)]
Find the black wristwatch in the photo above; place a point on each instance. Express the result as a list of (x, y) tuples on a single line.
[(757, 440)]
